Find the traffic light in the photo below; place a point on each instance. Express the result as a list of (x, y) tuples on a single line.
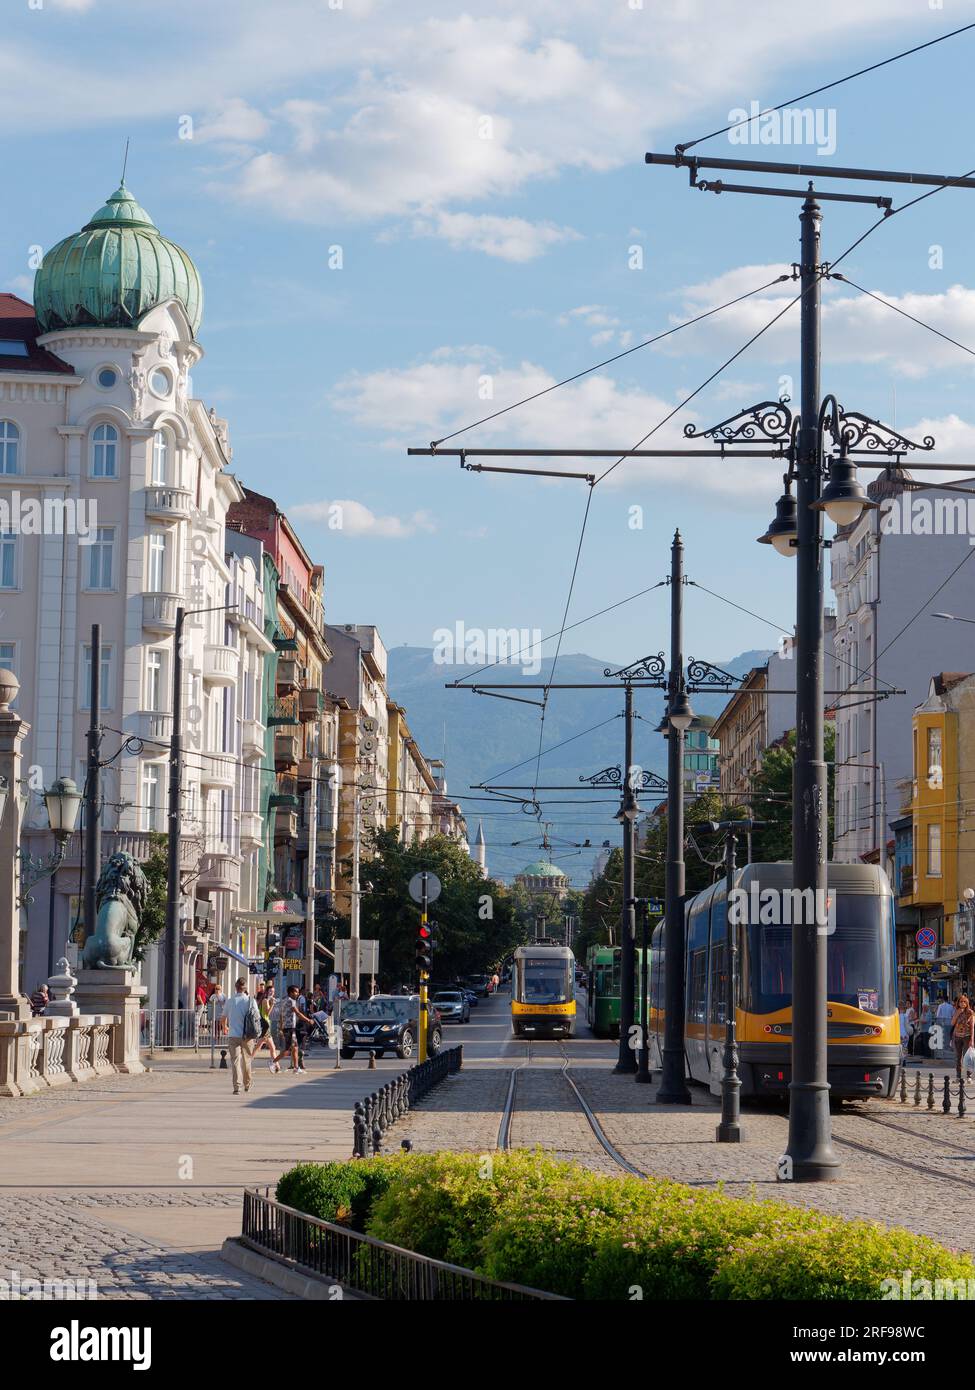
[(424, 949), (270, 966)]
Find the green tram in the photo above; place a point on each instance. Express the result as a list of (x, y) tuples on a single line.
[(603, 990)]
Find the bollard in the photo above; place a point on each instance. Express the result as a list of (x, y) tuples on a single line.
[(372, 1061), (917, 1089), (930, 1090), (223, 1059), (903, 1086), (961, 1097), (359, 1130), (946, 1102)]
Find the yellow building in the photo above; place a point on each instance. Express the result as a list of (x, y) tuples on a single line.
[(942, 863), (412, 786)]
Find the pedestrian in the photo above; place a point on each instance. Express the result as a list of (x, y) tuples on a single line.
[(265, 1003), (904, 1030), (291, 1014), (922, 1046), (243, 1030), (218, 1003), (963, 1033), (496, 981), (911, 1026), (942, 1017), (39, 1000)]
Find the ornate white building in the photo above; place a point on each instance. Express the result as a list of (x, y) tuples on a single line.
[(97, 411)]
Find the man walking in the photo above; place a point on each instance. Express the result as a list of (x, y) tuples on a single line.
[(291, 1013), (243, 1030), (943, 1017)]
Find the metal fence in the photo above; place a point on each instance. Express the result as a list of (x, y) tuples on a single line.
[(369, 1267), (376, 1113), (175, 1028), (949, 1090)]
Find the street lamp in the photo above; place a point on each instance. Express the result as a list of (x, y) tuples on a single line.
[(62, 801), (783, 530)]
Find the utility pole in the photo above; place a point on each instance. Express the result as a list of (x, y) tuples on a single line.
[(810, 1150), (729, 1129), (310, 875), (93, 829), (625, 1063), (673, 1087), (173, 894), (354, 905)]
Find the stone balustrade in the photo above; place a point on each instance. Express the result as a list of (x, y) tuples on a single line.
[(39, 1052)]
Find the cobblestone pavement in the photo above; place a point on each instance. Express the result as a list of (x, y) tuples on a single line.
[(900, 1165), (37, 1244)]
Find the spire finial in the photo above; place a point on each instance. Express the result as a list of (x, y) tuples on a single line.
[(125, 160)]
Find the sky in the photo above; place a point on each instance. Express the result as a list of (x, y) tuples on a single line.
[(409, 215)]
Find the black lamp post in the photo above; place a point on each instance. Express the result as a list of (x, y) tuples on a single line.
[(627, 816), (643, 1073)]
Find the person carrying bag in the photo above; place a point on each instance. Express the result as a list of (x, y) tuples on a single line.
[(963, 1037)]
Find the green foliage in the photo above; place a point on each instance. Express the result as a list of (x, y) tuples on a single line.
[(476, 924), (841, 1260), (526, 1218), (152, 924), (771, 799), (338, 1192)]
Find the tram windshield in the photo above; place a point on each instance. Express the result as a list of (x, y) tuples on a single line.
[(545, 981), (858, 959), (607, 975)]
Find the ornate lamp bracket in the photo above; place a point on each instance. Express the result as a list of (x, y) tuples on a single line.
[(648, 668), (767, 422), (33, 869), (702, 675)]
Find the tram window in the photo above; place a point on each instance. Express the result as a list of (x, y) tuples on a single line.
[(858, 962), (699, 985), (719, 982)]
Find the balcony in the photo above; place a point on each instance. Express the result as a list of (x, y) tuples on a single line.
[(285, 825), (305, 771), (221, 665), (168, 503), (219, 873), (159, 612), (905, 888), (253, 736), (286, 643), (287, 677), (286, 750), (311, 703), (281, 713), (218, 771), (251, 830), (155, 728)]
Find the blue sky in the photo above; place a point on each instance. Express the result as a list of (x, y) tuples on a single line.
[(362, 126)]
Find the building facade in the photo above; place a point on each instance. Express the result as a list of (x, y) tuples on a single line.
[(411, 782)]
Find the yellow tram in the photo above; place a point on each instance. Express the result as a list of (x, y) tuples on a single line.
[(543, 999), (862, 1027)]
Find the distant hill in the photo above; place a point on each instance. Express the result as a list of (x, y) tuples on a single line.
[(480, 736)]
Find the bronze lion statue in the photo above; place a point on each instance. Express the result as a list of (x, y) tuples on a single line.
[(121, 897)]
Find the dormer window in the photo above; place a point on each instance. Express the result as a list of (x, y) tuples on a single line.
[(104, 452)]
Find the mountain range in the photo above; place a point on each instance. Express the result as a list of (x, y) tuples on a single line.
[(486, 739)]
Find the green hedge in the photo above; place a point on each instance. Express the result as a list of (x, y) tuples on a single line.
[(529, 1219)]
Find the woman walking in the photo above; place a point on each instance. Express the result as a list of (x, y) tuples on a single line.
[(963, 1033), (265, 1003)]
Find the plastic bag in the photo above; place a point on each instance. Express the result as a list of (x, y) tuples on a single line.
[(968, 1061)]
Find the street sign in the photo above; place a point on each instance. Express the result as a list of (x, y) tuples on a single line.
[(914, 970), (433, 888), (926, 937), (926, 952), (368, 956), (655, 907)]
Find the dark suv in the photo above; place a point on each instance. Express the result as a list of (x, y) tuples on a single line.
[(388, 1023)]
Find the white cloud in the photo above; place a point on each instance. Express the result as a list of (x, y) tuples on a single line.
[(351, 518), (22, 285), (508, 238), (235, 123)]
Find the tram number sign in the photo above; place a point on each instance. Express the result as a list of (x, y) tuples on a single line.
[(926, 938)]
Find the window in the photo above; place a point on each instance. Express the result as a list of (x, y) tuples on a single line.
[(8, 560), (160, 382), (13, 347), (101, 555), (105, 692), (106, 377), (698, 972), (104, 452), (8, 656), (156, 579), (160, 457), (153, 817), (934, 774), (154, 679), (934, 851), (9, 440)]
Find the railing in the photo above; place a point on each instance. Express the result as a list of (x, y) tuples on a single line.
[(56, 1050), (174, 1028), (378, 1112), (949, 1091), (366, 1266)]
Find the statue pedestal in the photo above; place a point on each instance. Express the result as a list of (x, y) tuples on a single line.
[(115, 991)]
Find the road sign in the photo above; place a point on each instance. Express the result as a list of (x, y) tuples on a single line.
[(926, 952), (655, 907), (926, 937), (433, 888), (368, 956)]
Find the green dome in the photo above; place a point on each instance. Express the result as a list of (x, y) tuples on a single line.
[(542, 870), (110, 274)]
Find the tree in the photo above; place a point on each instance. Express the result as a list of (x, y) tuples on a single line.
[(771, 797), (476, 923), (152, 924)]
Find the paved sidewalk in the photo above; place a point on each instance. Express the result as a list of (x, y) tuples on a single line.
[(136, 1181)]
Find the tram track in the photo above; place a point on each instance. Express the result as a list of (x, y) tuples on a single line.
[(582, 1105)]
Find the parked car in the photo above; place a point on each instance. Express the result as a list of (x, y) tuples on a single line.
[(388, 1023), (453, 1005), (481, 985), (470, 995)]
